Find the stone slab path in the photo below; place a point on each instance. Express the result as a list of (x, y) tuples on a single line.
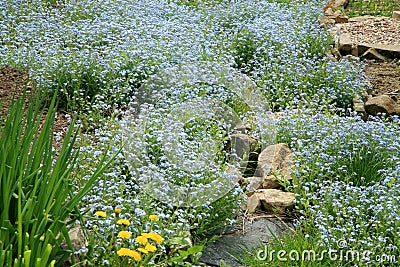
[(240, 239)]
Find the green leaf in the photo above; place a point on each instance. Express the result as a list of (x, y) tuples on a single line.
[(27, 257), (195, 249)]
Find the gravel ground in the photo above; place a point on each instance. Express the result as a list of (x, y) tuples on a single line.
[(378, 30)]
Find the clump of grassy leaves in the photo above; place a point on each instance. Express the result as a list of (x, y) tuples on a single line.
[(36, 194)]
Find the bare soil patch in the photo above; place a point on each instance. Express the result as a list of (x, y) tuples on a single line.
[(12, 85), (385, 78)]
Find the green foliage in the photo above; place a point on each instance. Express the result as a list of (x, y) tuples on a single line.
[(76, 86), (78, 83), (372, 7), (36, 195), (186, 257), (245, 48), (364, 166)]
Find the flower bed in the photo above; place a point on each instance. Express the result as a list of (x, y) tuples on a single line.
[(99, 57)]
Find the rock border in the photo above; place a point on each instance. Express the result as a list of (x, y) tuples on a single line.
[(264, 190), (334, 20), (344, 46)]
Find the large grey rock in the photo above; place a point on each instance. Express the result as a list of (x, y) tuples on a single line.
[(243, 145), (380, 104), (240, 239), (245, 149), (275, 160)]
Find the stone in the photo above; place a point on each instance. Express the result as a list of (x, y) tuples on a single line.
[(271, 200), (396, 15), (337, 13), (335, 52), (397, 109), (326, 21), (345, 42), (381, 47), (380, 104), (274, 200), (346, 45), (241, 238), (77, 237), (341, 19), (244, 148), (78, 241), (243, 144), (254, 183), (253, 203), (358, 104), (275, 160), (241, 128), (271, 182), (361, 18), (359, 107), (329, 12), (339, 3)]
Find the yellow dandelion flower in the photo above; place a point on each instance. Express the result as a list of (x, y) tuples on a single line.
[(136, 255), (154, 236), (130, 253), (142, 250), (124, 252), (101, 213), (154, 218), (123, 222), (150, 247), (142, 240), (117, 210), (124, 234)]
